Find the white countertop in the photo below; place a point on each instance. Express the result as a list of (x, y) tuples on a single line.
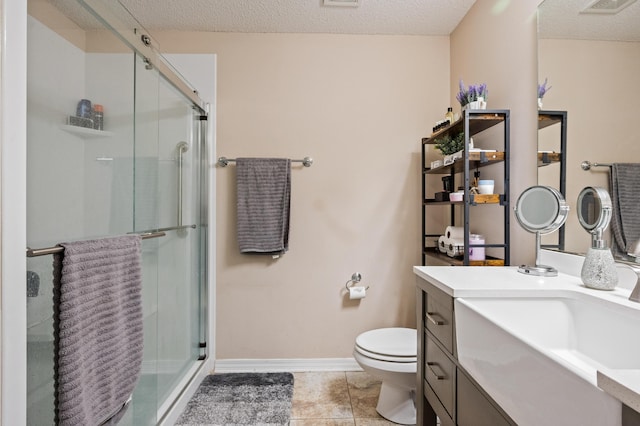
[(491, 281), (623, 385)]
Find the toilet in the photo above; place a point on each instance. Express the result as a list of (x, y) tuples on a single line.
[(389, 354)]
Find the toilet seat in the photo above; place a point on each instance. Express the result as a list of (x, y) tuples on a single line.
[(385, 358), (389, 344)]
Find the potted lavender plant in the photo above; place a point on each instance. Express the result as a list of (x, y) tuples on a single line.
[(473, 97), (542, 89)]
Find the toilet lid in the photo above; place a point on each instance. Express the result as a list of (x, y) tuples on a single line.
[(393, 344)]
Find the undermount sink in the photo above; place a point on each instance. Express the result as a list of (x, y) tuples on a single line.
[(538, 357)]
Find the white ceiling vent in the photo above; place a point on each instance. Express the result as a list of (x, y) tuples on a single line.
[(607, 6), (341, 3)]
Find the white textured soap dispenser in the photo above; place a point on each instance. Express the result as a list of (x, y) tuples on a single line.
[(594, 213), (599, 268)]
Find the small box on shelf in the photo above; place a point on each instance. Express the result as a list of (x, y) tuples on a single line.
[(73, 120), (441, 196), (451, 158)]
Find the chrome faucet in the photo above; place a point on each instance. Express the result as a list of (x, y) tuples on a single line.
[(634, 251)]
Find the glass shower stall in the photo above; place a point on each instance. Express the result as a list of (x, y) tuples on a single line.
[(116, 144)]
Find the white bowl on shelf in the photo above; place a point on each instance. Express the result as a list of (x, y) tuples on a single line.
[(456, 196), (485, 186)]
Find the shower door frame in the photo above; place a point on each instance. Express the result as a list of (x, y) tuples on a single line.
[(13, 181), (13, 212)]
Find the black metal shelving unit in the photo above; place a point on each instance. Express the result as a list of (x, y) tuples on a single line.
[(471, 123), (548, 118)]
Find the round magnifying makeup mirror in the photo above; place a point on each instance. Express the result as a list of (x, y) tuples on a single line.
[(540, 210), (594, 213)]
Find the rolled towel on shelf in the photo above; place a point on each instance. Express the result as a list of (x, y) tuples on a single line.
[(455, 247), (443, 243), (453, 232)]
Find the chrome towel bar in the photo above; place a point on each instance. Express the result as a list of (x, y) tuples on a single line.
[(53, 250), (224, 161), (587, 165)]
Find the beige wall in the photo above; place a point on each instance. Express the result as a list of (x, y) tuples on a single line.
[(594, 87), (496, 44), (359, 105)]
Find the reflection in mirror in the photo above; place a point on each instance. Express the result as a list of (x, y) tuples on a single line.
[(588, 210), (594, 213), (592, 62), (540, 210), (625, 222), (552, 157)]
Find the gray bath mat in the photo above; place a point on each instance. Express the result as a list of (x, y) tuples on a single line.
[(241, 399)]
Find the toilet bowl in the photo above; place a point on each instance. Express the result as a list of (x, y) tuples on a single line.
[(389, 354)]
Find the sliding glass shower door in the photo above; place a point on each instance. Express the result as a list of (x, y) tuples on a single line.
[(140, 172), (167, 188)]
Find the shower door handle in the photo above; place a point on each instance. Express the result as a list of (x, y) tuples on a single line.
[(182, 147)]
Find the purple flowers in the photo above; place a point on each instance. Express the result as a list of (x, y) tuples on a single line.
[(471, 94), (542, 89)]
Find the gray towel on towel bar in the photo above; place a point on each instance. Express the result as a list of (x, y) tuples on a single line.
[(625, 220), (264, 193), (98, 332)]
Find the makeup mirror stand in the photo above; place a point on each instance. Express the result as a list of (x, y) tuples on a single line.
[(540, 210), (538, 269)]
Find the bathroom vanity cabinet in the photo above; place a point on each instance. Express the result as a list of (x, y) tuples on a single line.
[(444, 389), (461, 173)]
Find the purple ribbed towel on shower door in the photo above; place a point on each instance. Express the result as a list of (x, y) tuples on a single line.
[(264, 194), (98, 334)]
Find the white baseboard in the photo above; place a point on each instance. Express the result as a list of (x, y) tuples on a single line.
[(288, 365)]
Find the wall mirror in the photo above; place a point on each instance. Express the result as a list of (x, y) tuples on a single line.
[(591, 61)]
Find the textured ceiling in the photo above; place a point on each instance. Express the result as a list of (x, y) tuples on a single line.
[(423, 17), (562, 19), (558, 18)]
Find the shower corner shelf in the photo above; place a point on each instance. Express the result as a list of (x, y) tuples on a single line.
[(86, 132)]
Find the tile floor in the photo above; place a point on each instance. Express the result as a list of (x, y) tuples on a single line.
[(335, 399)]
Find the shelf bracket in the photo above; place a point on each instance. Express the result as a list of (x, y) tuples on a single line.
[(545, 158)]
